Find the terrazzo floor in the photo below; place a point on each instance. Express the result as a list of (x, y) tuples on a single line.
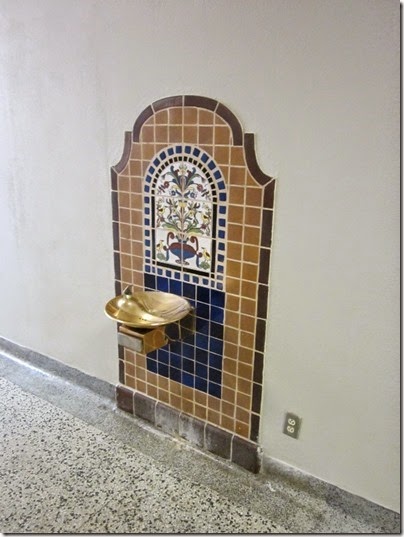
[(70, 462)]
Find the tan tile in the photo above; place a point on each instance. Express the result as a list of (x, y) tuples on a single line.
[(251, 253), (190, 116), (252, 216), (175, 401), (243, 400), (130, 382), (244, 386), (191, 135), (136, 201), (130, 369), (227, 423), (137, 218), (242, 415), (236, 197), (246, 355), (213, 417), (163, 396), (200, 397), (236, 217), (233, 286), (235, 232), (242, 429), (151, 391), (251, 235), (248, 289), (135, 167), (205, 117), (187, 406), (175, 116), (247, 340), (221, 154), (222, 135), (126, 276), (232, 319), (174, 134), (161, 117), (162, 134), (205, 135), (214, 403), (200, 412), (207, 148), (230, 366), (233, 269), (254, 197), (237, 176), (227, 408), (230, 349), (234, 250), (232, 335), (237, 156), (126, 261), (249, 272), (248, 307), (187, 393), (147, 134), (228, 395), (135, 152), (229, 381), (123, 183), (147, 154), (141, 386), (244, 371), (233, 303), (140, 373), (125, 246)]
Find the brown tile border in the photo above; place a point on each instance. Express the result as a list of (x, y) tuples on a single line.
[(251, 159), (200, 102), (120, 166), (226, 114), (199, 433), (143, 117)]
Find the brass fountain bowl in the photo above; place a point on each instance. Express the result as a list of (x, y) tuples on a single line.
[(147, 309)]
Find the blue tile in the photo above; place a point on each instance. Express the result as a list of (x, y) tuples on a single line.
[(163, 155), (217, 298), (203, 294), (202, 310), (216, 345), (215, 376), (148, 180), (188, 290), (201, 370), (152, 365), (147, 199), (188, 365), (202, 341), (146, 210), (176, 347), (216, 330), (222, 196), (215, 361), (175, 360), (217, 314), (162, 369), (201, 356), (176, 287), (150, 281), (214, 389), (222, 209), (211, 165), (188, 351), (201, 384), (175, 374), (221, 185), (188, 380), (151, 170), (162, 284), (170, 151), (178, 148), (204, 157), (152, 355), (187, 149), (177, 275), (156, 161), (202, 325), (221, 234), (217, 174), (147, 222), (196, 152), (163, 356), (147, 233), (221, 246)]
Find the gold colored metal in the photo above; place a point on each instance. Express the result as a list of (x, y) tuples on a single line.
[(147, 309)]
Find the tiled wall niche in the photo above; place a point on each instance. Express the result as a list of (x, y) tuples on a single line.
[(192, 215)]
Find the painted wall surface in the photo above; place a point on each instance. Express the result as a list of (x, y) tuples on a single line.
[(318, 82)]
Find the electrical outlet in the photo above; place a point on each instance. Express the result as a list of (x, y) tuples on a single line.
[(292, 424)]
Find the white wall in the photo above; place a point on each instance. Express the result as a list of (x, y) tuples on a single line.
[(318, 82)]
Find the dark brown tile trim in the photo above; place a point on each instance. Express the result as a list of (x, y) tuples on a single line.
[(269, 194), (233, 122), (144, 116), (168, 102), (200, 102), (119, 167), (251, 159), (174, 422), (255, 426)]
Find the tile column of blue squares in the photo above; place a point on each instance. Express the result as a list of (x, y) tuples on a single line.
[(197, 360)]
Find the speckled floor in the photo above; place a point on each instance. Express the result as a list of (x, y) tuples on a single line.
[(70, 462)]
